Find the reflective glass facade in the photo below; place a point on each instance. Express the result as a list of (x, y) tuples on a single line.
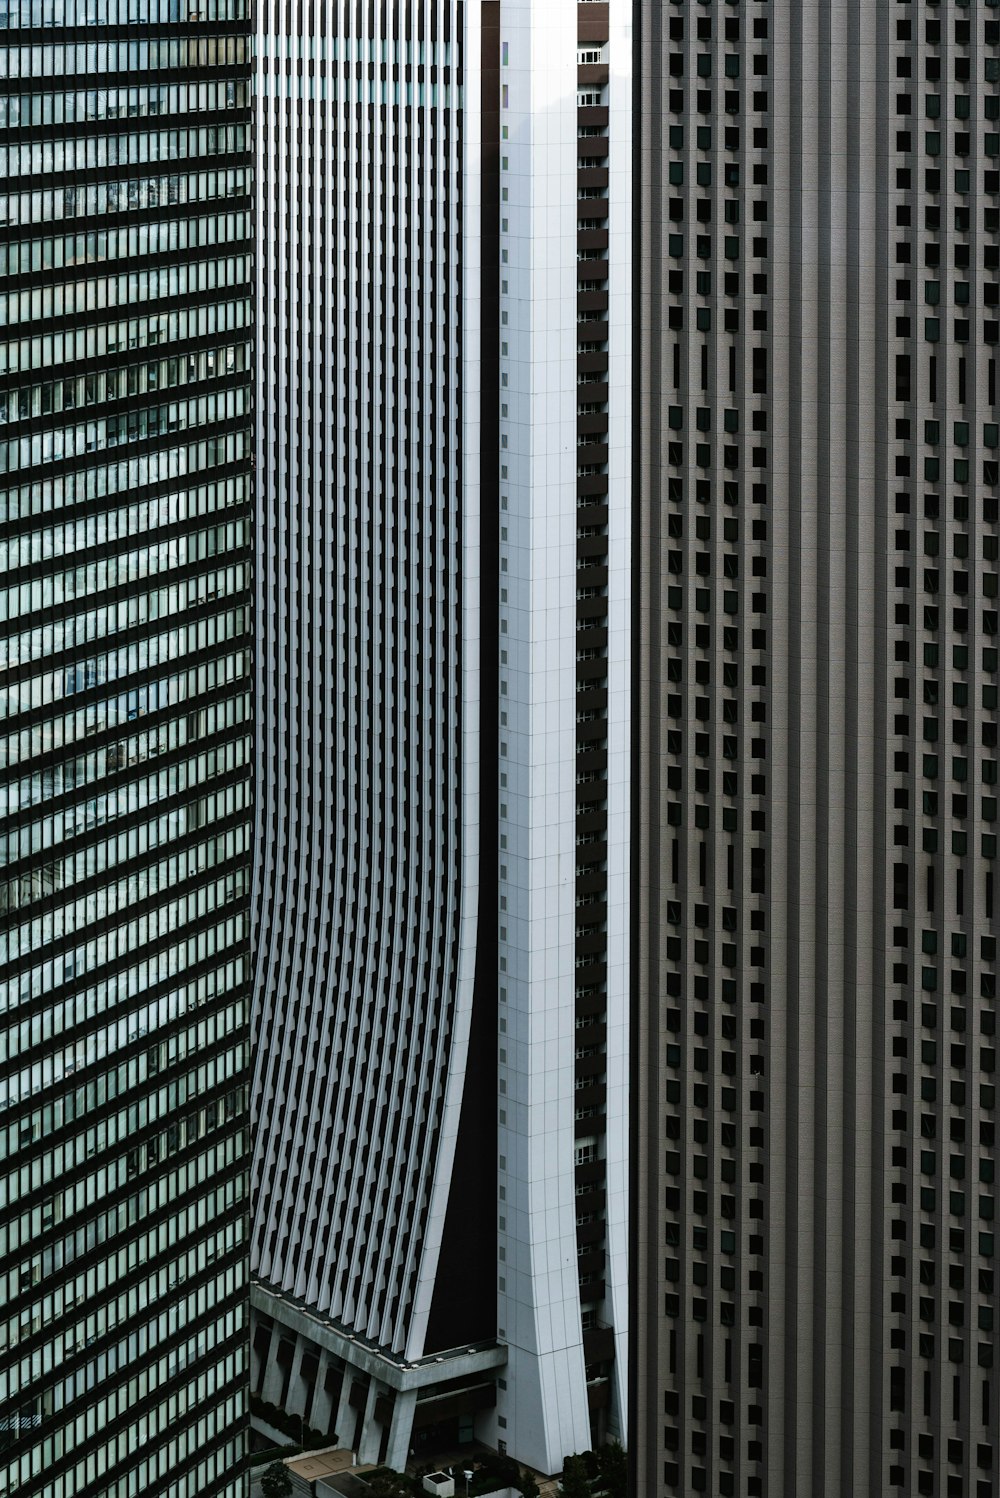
[(125, 731)]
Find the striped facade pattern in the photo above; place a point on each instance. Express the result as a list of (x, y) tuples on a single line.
[(126, 747), (816, 440), (367, 589), (603, 371)]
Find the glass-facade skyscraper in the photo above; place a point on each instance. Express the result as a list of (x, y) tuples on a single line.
[(125, 458)]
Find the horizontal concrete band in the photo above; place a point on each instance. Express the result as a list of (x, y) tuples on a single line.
[(393, 1373)]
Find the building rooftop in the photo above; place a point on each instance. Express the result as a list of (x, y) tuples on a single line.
[(313, 1464)]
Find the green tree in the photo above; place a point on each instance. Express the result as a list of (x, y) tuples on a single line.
[(276, 1482), (504, 1470), (528, 1486), (389, 1485), (612, 1467), (574, 1478)]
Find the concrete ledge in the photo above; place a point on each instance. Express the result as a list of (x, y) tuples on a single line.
[(274, 1435), (394, 1373)]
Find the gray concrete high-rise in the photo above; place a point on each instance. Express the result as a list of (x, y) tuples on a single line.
[(814, 1271), (125, 652)]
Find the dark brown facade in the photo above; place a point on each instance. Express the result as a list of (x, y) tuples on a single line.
[(817, 246), (593, 125)]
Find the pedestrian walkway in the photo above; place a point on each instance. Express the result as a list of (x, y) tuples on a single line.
[(313, 1464)]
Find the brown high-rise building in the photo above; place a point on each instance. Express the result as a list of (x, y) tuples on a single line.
[(815, 1270)]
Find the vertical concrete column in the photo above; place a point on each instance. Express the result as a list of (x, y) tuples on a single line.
[(538, 1308), (257, 1363), (295, 1402), (273, 1379), (344, 1422), (371, 1435), (322, 1403), (401, 1429)]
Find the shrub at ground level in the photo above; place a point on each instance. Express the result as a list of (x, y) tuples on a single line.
[(275, 1482), (604, 1471), (289, 1425)]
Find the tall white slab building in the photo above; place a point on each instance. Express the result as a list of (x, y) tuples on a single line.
[(443, 565), (563, 727)]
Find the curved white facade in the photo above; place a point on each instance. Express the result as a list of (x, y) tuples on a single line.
[(367, 597), (441, 998)]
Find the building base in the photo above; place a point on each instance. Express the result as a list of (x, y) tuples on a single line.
[(356, 1395)]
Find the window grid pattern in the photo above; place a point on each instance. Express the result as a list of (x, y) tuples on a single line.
[(592, 682), (816, 830), (124, 757)]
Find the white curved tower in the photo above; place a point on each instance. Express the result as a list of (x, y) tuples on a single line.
[(366, 889), (441, 914), (564, 555)]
